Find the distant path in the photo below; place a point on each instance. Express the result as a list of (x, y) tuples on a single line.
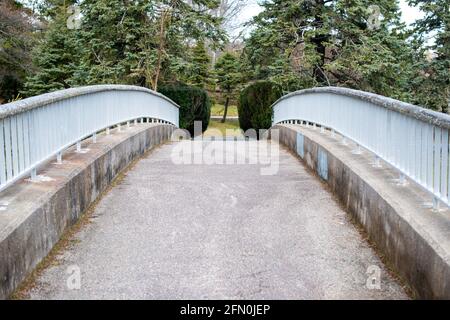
[(221, 117), (218, 232)]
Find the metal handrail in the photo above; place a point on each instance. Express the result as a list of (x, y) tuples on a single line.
[(34, 130), (412, 139)]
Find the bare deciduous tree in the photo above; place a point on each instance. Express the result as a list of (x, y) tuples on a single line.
[(229, 11)]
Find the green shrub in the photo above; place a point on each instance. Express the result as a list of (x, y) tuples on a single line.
[(255, 105), (194, 103)]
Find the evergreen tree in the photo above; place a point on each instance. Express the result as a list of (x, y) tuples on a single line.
[(141, 42), (228, 75), (16, 43), (331, 42), (431, 83), (110, 38), (370, 51), (56, 57), (200, 73), (286, 27), (181, 22)]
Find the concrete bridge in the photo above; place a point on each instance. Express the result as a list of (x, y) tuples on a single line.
[(345, 197)]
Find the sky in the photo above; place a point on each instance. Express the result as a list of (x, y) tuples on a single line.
[(409, 14)]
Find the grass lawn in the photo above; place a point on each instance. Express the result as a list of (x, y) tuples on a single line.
[(218, 110), (216, 126)]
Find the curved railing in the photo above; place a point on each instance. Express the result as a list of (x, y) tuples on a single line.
[(36, 129), (412, 139)]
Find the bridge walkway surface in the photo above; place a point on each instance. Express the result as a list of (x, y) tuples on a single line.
[(169, 231)]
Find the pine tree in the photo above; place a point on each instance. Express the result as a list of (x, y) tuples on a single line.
[(110, 38), (228, 75), (56, 57), (431, 83), (16, 43), (285, 26), (331, 42), (200, 74), (141, 42), (370, 51)]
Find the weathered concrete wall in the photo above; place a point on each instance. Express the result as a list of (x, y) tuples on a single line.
[(34, 215), (414, 240)]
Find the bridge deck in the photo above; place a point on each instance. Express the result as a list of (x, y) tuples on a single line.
[(218, 232)]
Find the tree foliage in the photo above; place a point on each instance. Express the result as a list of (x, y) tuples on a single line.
[(140, 42), (228, 75), (16, 43), (361, 44), (308, 43), (194, 103), (255, 105), (55, 56), (110, 37), (431, 85), (200, 72)]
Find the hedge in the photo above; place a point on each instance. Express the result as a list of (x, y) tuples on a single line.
[(194, 103), (255, 105)]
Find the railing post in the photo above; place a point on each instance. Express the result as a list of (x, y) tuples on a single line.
[(79, 146), (436, 204), (377, 162), (119, 127), (108, 131), (94, 137), (33, 175), (358, 150), (59, 158), (128, 124), (402, 179)]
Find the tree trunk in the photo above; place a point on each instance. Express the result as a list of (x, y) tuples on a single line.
[(226, 110), (319, 42), (160, 51)]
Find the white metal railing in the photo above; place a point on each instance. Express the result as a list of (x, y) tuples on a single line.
[(412, 139), (36, 129)]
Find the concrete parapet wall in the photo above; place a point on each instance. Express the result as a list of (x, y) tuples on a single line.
[(398, 219), (34, 215)]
